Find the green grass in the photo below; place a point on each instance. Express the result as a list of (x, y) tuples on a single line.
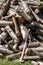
[(13, 62)]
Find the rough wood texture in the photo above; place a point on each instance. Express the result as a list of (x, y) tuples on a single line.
[(11, 33), (4, 23), (13, 56), (21, 29), (5, 51)]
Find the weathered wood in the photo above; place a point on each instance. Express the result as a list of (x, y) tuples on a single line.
[(8, 16), (31, 57), (40, 37), (23, 31), (24, 48), (5, 8), (30, 45), (13, 56), (3, 36), (23, 52), (36, 11), (25, 7), (34, 44), (36, 16), (12, 46), (16, 26), (5, 51), (39, 32), (4, 23), (12, 34), (23, 13), (39, 49), (21, 19), (1, 46), (36, 24), (38, 53), (33, 3)]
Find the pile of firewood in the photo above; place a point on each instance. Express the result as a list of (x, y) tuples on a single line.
[(21, 29)]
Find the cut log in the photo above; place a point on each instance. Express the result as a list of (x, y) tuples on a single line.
[(31, 57), (23, 13), (23, 31), (5, 51), (3, 36), (16, 26), (36, 17), (12, 34), (13, 56), (25, 7), (5, 9), (31, 45), (4, 23)]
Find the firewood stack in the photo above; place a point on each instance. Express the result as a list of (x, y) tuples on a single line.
[(21, 29)]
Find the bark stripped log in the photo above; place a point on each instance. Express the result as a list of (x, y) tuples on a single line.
[(11, 33), (5, 9), (16, 26), (4, 23), (31, 57), (13, 56), (5, 51)]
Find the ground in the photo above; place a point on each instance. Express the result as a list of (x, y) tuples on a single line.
[(13, 62)]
